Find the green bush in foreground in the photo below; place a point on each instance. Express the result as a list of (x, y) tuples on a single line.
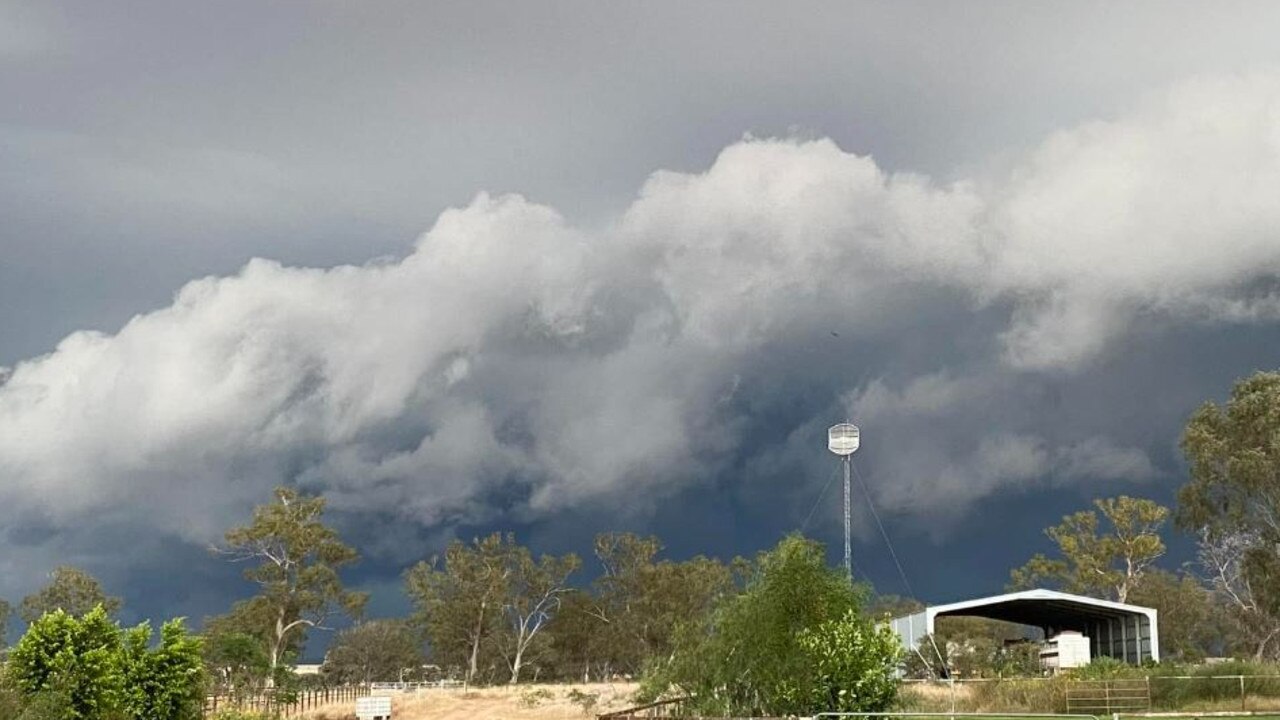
[(793, 643), (69, 668)]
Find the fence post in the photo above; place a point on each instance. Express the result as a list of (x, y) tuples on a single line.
[(1242, 695)]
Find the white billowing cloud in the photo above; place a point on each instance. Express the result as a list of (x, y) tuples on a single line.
[(511, 355), (1170, 209)]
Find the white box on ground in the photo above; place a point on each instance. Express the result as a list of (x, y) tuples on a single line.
[(373, 708)]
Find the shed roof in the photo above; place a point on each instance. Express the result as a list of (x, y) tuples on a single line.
[(1039, 607)]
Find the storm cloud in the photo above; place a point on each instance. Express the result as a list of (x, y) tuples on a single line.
[(660, 251), (511, 350)]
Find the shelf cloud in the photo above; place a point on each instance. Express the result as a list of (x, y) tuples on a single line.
[(516, 363)]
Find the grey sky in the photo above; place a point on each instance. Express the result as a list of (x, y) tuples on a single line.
[(1090, 183), (147, 143)]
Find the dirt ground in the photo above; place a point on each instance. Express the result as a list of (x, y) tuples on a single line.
[(525, 702)]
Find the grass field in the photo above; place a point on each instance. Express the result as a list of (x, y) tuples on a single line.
[(575, 702), (526, 702)]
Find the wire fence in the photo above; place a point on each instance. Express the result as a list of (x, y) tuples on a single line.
[(284, 704), (1124, 695), (411, 687)]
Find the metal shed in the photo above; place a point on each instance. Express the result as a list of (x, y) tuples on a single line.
[(1129, 633)]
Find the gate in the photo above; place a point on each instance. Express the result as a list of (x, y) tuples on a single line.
[(1105, 697)]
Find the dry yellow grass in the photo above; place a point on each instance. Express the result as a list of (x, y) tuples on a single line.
[(524, 702)]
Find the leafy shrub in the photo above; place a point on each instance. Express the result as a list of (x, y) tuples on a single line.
[(166, 683), (853, 662), (68, 668), (584, 700), (794, 643), (534, 698), (77, 658), (1103, 668)]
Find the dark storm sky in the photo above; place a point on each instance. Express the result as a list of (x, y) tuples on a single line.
[(569, 267)]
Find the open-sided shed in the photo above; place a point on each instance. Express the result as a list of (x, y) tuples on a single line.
[(1129, 633)]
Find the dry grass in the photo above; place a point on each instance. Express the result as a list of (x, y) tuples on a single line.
[(525, 702)]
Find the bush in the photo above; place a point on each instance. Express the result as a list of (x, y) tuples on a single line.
[(534, 698), (166, 683), (79, 659), (853, 662), (794, 643), (68, 668), (586, 701), (10, 697)]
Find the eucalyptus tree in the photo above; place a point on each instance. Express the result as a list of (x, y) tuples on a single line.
[(641, 601), (294, 560), (373, 651), (71, 590), (535, 589), (459, 599), (1232, 502), (1106, 560)]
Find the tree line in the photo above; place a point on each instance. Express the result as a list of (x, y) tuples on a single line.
[(490, 610)]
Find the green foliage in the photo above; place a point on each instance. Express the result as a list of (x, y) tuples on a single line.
[(1231, 502), (237, 661), (86, 668), (256, 618), (1190, 622), (76, 658), (489, 603), (458, 605), (1234, 452), (164, 683), (297, 558), (71, 590), (853, 661), (640, 602), (1106, 565), (794, 643), (533, 599), (1102, 668), (374, 651)]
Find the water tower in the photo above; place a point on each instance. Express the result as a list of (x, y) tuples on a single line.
[(843, 440)]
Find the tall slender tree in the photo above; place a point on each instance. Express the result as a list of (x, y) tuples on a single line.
[(535, 589), (641, 601), (295, 559), (1232, 502), (459, 602)]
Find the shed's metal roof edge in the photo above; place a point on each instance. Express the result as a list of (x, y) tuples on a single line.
[(1036, 594)]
